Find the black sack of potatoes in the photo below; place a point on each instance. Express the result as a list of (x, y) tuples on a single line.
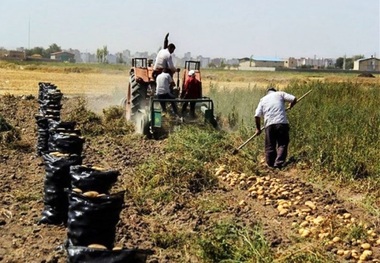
[(43, 132), (66, 143), (42, 121), (77, 254), (46, 106), (43, 89), (57, 180), (42, 141), (50, 95), (92, 178), (64, 125), (54, 113), (93, 219)]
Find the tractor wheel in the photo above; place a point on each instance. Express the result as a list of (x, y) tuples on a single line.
[(136, 98)]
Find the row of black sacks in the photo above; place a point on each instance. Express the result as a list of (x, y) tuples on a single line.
[(78, 195)]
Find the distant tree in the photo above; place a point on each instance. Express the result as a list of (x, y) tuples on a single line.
[(35, 51), (101, 54), (45, 53), (339, 62), (105, 54), (222, 64), (349, 62), (119, 58), (211, 65), (53, 48)]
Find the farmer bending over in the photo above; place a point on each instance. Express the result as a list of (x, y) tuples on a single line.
[(272, 108)]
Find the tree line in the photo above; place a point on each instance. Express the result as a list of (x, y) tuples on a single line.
[(101, 53), (45, 53)]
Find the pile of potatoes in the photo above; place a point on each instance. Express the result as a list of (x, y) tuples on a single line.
[(291, 201)]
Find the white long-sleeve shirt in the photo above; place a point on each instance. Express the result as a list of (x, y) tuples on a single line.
[(164, 60), (272, 107)]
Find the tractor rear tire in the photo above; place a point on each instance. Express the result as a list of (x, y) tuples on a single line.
[(136, 98), (137, 105)]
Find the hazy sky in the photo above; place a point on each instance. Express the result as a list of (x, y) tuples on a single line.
[(211, 28)]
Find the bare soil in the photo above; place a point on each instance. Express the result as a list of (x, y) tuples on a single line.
[(22, 239)]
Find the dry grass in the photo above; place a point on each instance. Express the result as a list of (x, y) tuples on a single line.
[(97, 81), (24, 82)]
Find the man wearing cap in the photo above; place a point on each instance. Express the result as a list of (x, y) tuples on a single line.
[(272, 108), (191, 90)]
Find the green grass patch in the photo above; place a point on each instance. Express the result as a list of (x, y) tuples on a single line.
[(230, 242), (189, 153), (336, 129)]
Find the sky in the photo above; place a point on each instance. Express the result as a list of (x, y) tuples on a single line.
[(210, 28)]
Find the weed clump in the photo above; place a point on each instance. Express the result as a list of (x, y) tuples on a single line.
[(8, 134), (115, 123), (112, 122)]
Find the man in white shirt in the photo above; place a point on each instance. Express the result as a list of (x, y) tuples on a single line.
[(164, 82), (164, 59), (272, 108)]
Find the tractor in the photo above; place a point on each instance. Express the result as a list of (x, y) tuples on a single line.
[(142, 107)]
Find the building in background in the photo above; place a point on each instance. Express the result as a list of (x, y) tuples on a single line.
[(12, 55), (63, 56), (367, 64), (290, 63), (267, 62), (315, 63)]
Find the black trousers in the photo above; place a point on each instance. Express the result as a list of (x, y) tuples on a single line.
[(192, 108), (163, 103), (276, 144)]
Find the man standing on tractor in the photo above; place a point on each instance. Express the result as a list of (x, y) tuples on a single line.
[(191, 90), (164, 83), (272, 108), (164, 60)]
